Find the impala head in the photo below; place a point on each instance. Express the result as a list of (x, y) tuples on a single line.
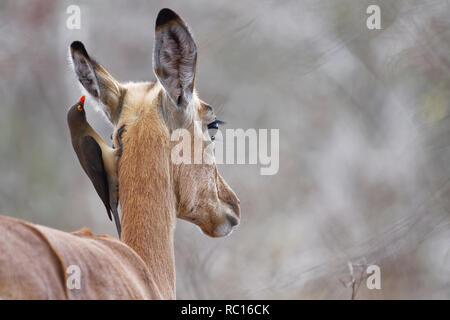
[(152, 112)]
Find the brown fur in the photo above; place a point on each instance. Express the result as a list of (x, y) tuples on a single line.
[(34, 261)]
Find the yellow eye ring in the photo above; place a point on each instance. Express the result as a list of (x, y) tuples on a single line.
[(80, 108)]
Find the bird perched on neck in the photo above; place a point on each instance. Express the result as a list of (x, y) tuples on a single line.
[(98, 160)]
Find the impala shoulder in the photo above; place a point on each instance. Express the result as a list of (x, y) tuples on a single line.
[(31, 239)]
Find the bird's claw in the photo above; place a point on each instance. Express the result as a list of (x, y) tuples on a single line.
[(119, 139)]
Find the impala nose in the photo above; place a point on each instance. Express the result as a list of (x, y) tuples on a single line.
[(233, 220)]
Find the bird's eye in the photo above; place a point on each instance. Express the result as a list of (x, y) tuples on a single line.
[(80, 108), (213, 127)]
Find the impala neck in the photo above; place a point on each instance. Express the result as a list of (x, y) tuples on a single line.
[(147, 201)]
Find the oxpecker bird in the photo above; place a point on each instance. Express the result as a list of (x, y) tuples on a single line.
[(98, 160)]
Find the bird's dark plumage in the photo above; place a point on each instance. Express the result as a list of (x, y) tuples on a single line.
[(92, 162)]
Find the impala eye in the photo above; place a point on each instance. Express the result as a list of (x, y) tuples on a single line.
[(213, 127)]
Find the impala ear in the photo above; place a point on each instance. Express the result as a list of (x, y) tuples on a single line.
[(174, 57), (97, 81)]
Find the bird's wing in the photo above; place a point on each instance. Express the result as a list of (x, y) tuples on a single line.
[(92, 163)]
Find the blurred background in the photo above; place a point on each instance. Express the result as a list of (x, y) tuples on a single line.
[(364, 125)]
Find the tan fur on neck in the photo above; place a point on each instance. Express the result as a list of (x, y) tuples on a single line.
[(145, 186)]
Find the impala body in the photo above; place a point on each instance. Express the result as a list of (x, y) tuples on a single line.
[(153, 191)]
